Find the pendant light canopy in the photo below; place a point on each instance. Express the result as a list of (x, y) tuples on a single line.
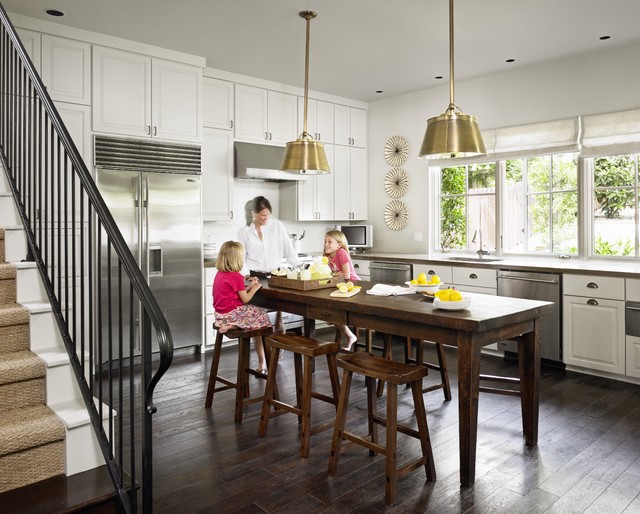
[(305, 155), (452, 134)]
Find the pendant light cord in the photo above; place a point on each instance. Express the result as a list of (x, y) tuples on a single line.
[(452, 105), (307, 16)]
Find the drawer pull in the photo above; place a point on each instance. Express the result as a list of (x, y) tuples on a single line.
[(592, 302), (431, 272), (592, 285), (473, 276)]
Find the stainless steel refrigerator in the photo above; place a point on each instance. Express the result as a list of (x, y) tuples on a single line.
[(158, 213)]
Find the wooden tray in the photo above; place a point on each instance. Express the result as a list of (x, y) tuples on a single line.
[(303, 285)]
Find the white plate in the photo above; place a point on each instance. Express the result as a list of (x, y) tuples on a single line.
[(431, 288), (452, 306)]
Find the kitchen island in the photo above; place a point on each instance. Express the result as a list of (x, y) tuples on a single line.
[(487, 320)]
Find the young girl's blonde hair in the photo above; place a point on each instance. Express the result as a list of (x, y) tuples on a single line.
[(230, 256), (340, 238)]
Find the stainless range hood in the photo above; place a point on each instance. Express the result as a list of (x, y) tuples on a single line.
[(261, 162)]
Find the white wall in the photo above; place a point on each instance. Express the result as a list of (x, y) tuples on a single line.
[(606, 81)]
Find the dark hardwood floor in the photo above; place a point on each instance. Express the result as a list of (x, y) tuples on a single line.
[(587, 459)]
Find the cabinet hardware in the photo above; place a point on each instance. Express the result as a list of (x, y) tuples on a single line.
[(155, 131), (592, 302), (270, 136), (266, 136), (231, 214), (592, 285), (148, 130), (230, 123), (473, 275), (431, 272), (319, 137)]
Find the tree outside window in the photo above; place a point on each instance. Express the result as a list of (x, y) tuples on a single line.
[(615, 205)]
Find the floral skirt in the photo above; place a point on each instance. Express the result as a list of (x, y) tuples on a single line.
[(245, 317)]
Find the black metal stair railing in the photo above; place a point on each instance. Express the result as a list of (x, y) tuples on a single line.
[(72, 237)]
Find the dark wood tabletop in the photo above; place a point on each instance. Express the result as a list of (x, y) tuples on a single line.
[(487, 320)]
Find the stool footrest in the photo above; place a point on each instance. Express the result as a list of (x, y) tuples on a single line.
[(323, 397), (374, 447), (411, 466), (282, 407), (497, 390)]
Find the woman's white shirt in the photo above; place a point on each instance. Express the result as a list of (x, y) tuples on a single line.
[(267, 253)]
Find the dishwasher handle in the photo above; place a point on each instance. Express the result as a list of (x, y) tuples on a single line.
[(522, 279), (390, 266)]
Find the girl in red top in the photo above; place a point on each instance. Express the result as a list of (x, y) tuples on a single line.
[(336, 249), (231, 297)]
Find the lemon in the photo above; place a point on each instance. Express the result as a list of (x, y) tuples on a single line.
[(325, 260), (422, 278), (435, 279), (414, 281), (312, 269), (343, 288), (445, 295), (455, 296), (349, 285), (340, 284)]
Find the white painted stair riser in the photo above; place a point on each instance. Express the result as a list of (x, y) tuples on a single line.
[(8, 212), (15, 244)]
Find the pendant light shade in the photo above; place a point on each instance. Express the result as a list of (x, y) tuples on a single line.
[(305, 155), (452, 134)]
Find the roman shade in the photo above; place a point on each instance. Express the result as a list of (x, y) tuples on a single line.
[(611, 133)]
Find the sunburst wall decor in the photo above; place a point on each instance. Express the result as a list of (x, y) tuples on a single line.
[(396, 150), (396, 183), (396, 215)]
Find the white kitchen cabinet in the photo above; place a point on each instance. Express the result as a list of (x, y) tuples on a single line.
[(444, 272), (210, 332), (362, 268), (350, 126), (218, 103), (66, 69), (310, 199), (350, 183), (320, 120), (265, 116), (633, 356), (137, 95), (31, 42), (77, 119), (481, 280), (593, 322), (217, 174)]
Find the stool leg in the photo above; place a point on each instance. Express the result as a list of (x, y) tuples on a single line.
[(246, 358), (386, 353), (213, 374), (372, 411), (390, 459), (341, 418), (423, 430), (444, 372), (269, 391), (297, 364), (305, 435), (242, 385), (332, 366)]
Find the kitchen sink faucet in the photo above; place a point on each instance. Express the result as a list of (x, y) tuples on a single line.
[(481, 251)]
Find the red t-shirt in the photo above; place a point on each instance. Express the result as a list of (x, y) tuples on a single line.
[(226, 285), (342, 257)]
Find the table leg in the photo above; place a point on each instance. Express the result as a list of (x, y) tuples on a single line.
[(468, 392), (529, 364)]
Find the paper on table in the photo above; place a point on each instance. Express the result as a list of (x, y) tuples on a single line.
[(387, 290)]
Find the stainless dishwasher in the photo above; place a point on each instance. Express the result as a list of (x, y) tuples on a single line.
[(536, 286), (390, 272)]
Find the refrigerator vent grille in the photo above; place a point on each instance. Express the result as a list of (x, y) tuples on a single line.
[(140, 155)]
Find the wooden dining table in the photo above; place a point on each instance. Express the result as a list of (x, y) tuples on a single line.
[(488, 319)]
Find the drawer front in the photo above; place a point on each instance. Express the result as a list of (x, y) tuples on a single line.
[(594, 286), (361, 267), (479, 277), (327, 314), (633, 290), (209, 274), (444, 272)]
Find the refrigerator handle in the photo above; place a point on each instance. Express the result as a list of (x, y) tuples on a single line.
[(144, 263), (138, 210)]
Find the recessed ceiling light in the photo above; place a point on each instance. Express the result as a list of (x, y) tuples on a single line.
[(510, 60), (379, 91), (604, 38), (54, 12), (438, 77)]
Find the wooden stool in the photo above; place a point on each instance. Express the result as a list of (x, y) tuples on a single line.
[(308, 348), (241, 385), (394, 374), (441, 367)]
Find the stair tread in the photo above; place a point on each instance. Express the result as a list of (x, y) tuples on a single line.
[(28, 427), (13, 314), (20, 366)]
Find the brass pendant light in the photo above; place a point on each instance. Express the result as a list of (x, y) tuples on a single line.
[(452, 134), (304, 155)]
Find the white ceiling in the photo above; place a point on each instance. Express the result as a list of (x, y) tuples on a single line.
[(357, 46)]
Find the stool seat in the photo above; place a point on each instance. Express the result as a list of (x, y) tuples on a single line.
[(241, 384), (394, 374), (307, 349)]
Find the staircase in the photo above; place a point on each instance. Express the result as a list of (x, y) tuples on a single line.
[(45, 429)]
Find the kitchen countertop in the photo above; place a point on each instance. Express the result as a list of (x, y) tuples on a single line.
[(548, 264)]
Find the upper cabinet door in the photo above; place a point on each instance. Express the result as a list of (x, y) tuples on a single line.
[(251, 113), (31, 42), (358, 127), (176, 101), (282, 117), (218, 103), (319, 120), (122, 92), (350, 126), (66, 69)]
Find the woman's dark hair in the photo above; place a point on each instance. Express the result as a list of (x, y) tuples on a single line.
[(256, 204)]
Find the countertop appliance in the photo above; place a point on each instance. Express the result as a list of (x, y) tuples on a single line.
[(390, 272), (359, 237), (536, 286), (153, 193)]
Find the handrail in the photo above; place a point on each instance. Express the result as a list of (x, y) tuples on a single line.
[(71, 234)]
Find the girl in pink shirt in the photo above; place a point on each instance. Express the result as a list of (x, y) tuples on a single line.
[(336, 249)]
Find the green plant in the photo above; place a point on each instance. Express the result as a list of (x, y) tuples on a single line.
[(614, 172), (602, 247)]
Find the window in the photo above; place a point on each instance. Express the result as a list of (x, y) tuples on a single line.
[(541, 204), (615, 205), (467, 206)]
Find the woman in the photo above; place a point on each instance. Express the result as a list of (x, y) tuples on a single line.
[(266, 243)]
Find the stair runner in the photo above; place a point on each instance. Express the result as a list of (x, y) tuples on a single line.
[(31, 434)]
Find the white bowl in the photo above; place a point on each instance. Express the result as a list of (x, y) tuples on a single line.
[(452, 306), (429, 288)]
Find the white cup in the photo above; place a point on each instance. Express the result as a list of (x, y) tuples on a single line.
[(305, 274)]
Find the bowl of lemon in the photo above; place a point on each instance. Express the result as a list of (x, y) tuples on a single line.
[(424, 285), (451, 300)]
